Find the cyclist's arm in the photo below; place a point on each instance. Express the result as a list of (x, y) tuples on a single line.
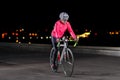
[(56, 30)]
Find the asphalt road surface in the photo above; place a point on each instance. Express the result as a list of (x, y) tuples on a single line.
[(31, 63)]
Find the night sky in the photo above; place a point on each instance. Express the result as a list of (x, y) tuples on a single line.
[(39, 15)]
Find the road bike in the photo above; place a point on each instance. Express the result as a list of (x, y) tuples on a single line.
[(65, 57)]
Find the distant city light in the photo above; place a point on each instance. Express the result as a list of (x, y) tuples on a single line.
[(23, 37), (16, 40), (114, 33), (9, 37), (13, 33), (30, 37), (29, 42), (41, 37), (3, 35), (19, 35), (16, 34), (50, 37), (22, 29), (46, 37), (30, 34), (35, 34)]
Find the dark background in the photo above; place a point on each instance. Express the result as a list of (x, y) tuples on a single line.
[(41, 14), (98, 16)]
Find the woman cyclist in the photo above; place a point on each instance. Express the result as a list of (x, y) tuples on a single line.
[(60, 27)]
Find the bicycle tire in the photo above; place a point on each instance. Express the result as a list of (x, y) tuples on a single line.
[(68, 63), (52, 60)]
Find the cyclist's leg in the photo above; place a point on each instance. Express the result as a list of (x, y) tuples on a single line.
[(54, 44)]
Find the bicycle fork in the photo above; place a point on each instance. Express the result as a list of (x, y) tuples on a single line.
[(63, 55), (58, 56)]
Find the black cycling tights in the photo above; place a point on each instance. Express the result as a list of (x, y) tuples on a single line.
[(54, 44)]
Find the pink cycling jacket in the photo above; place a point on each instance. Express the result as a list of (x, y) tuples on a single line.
[(60, 28)]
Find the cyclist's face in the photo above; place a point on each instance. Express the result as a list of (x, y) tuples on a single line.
[(65, 18)]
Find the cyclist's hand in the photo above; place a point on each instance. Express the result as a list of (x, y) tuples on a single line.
[(76, 39)]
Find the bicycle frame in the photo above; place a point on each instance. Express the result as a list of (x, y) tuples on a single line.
[(64, 57), (64, 45)]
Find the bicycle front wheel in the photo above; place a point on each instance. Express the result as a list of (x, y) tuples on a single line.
[(68, 62)]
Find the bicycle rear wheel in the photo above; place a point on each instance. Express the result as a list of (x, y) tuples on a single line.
[(53, 62), (68, 63)]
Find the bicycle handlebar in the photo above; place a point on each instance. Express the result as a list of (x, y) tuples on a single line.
[(76, 42), (62, 40)]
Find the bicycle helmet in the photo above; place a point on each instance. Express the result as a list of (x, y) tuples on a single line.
[(63, 16)]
